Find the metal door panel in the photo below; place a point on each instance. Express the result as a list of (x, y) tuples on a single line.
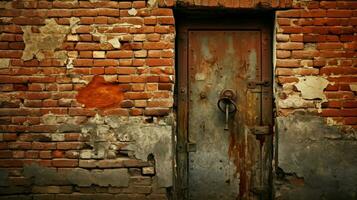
[(224, 165)]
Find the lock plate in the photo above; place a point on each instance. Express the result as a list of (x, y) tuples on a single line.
[(191, 147)]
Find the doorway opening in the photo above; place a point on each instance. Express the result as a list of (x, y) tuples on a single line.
[(224, 104)]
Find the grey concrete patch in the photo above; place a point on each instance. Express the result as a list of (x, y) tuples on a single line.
[(322, 156), (107, 135), (111, 177), (80, 177), (43, 175)]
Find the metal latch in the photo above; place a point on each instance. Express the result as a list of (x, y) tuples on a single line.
[(261, 130), (191, 147), (254, 84)]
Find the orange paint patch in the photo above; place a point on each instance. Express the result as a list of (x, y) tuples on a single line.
[(100, 94)]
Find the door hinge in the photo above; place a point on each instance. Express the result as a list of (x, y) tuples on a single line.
[(254, 84), (260, 130), (191, 147)]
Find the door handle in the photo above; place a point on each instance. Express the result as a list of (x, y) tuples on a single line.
[(226, 104)]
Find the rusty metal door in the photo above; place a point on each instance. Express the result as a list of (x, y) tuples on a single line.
[(224, 147)]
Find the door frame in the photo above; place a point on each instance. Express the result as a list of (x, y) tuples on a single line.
[(206, 20)]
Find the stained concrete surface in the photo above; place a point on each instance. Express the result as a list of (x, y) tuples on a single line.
[(315, 160)]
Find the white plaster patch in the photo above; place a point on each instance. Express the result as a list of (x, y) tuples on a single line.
[(152, 3), (115, 43), (331, 122), (70, 63), (294, 101), (132, 12), (312, 87), (353, 87), (4, 63)]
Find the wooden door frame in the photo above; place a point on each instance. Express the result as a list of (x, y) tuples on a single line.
[(263, 21)]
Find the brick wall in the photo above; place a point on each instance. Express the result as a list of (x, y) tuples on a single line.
[(318, 38), (64, 66), (68, 67), (316, 100)]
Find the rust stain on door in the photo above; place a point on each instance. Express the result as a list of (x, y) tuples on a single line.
[(226, 164)]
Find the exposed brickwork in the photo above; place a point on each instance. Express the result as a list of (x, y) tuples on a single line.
[(318, 38), (50, 51)]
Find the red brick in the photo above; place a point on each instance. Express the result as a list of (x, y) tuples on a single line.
[(332, 104), (84, 13), (166, 20), (10, 54), (5, 154), (32, 154), (65, 163), (106, 62), (69, 145), (139, 4), (125, 4), (28, 21), (339, 112), (349, 104), (290, 45), (59, 13), (289, 13), (10, 163), (305, 54), (61, 4), (115, 111), (350, 120), (338, 70), (329, 45), (287, 63), (45, 154), (156, 111), (313, 13), (119, 54), (159, 62), (339, 13), (43, 145), (283, 54), (328, 4), (162, 12), (150, 20), (283, 80), (83, 62), (9, 136), (81, 112), (108, 12)]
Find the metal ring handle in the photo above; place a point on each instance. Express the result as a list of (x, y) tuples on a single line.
[(225, 100)]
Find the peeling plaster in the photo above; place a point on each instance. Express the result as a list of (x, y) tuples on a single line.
[(4, 63), (49, 38), (106, 36), (312, 87), (295, 101)]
